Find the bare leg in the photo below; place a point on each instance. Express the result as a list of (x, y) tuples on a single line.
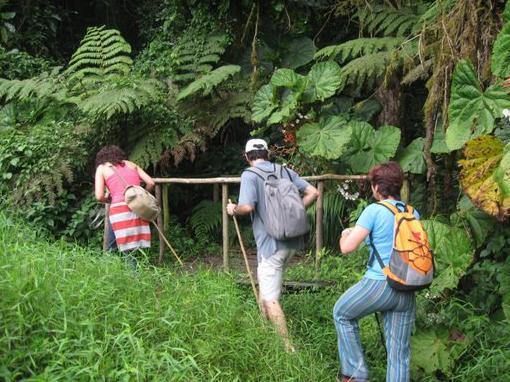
[(274, 313)]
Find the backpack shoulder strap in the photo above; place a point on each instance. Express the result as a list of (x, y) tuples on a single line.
[(394, 210), (375, 254), (257, 171)]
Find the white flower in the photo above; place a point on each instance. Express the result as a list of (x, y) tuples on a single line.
[(506, 113)]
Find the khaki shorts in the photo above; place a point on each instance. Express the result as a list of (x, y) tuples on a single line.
[(270, 274)]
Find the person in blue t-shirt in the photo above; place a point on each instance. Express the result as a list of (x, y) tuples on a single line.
[(272, 255), (372, 293)]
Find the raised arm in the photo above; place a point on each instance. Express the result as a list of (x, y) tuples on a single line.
[(149, 182)]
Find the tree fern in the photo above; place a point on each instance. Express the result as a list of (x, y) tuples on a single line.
[(389, 21), (150, 147), (102, 52), (209, 81), (365, 71), (123, 97), (197, 55), (205, 219), (47, 85), (358, 47)]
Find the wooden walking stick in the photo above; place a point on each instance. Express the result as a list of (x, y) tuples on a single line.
[(169, 245), (248, 269)]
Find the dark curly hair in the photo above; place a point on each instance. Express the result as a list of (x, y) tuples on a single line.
[(112, 154)]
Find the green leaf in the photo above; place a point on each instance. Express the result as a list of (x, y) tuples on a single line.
[(504, 287), (327, 139), (367, 109), (430, 352), (264, 103), (500, 59), (479, 223), (411, 158), (438, 144), (300, 51), (287, 109), (472, 111), (453, 254), (209, 81), (369, 146), (287, 78), (323, 81)]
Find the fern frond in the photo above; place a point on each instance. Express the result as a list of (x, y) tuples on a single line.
[(209, 81), (205, 219), (40, 87), (358, 47), (389, 21), (101, 52), (365, 71), (195, 56), (120, 98), (151, 145)]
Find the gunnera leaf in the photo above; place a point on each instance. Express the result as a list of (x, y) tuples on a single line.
[(472, 111), (370, 146), (411, 158), (299, 52), (324, 79), (264, 103), (485, 175), (453, 253), (327, 138)]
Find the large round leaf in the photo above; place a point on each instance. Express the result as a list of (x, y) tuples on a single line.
[(263, 103), (323, 81), (472, 111), (327, 139), (299, 52), (485, 175), (411, 158), (453, 254), (369, 146), (287, 78)]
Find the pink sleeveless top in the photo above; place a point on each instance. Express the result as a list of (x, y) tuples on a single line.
[(116, 186)]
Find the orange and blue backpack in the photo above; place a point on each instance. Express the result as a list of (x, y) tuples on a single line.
[(411, 265)]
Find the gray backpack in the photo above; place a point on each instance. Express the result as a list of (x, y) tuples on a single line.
[(285, 212)]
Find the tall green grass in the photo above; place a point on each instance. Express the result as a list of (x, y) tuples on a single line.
[(68, 313), (73, 314)]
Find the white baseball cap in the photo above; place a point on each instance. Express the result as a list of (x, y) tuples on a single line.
[(255, 144)]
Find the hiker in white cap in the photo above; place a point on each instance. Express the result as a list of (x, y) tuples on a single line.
[(275, 197)]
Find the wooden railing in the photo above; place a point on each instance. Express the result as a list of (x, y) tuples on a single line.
[(318, 180)]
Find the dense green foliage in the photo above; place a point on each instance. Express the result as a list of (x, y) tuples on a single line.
[(334, 86)]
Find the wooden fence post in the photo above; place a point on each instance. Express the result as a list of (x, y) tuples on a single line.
[(224, 218), (319, 227), (106, 228), (160, 225), (166, 210)]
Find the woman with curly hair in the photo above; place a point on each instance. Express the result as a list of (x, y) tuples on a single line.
[(114, 171)]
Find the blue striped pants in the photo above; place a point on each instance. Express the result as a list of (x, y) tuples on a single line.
[(398, 309)]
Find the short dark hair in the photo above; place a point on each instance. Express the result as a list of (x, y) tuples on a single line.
[(389, 177), (257, 154), (113, 154)]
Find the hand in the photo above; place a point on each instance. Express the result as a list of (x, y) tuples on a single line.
[(230, 208), (346, 232)]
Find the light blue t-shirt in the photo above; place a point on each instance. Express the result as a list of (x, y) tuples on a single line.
[(379, 220), (252, 193)]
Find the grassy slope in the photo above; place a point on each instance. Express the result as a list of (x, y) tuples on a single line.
[(68, 313)]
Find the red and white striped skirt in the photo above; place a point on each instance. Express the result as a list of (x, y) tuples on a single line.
[(130, 231)]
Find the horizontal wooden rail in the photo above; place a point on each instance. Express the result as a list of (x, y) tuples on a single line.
[(237, 179)]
